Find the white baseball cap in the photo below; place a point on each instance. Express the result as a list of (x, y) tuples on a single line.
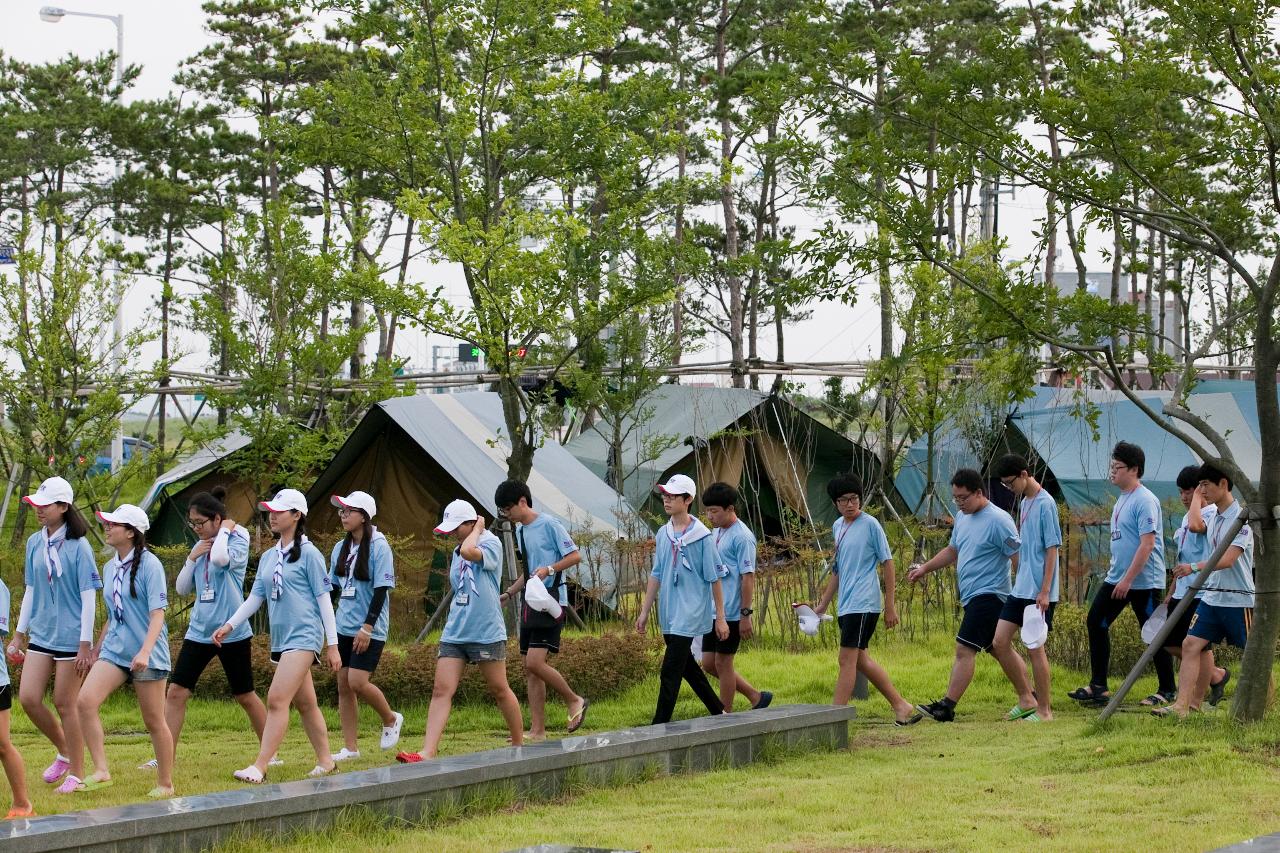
[(1035, 630), (356, 500), (286, 499), (679, 484), (127, 514), (457, 512), (53, 490)]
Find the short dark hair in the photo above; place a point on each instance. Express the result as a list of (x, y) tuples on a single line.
[(1211, 472), (1011, 465), (843, 484), (210, 504), (509, 493), (1189, 477), (722, 495), (967, 478), (1130, 455)]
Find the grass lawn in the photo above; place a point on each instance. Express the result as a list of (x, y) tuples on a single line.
[(979, 784)]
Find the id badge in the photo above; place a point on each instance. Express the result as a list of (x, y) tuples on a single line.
[(1115, 535), (275, 594), (462, 599), (207, 594), (349, 591)]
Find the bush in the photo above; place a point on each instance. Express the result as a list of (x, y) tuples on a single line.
[(594, 666), (1069, 642)]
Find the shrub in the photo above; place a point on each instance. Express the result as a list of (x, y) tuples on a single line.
[(595, 666)]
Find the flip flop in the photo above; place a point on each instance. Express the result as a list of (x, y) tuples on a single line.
[(909, 721), (16, 813), (95, 784), (1018, 713), (576, 721), (1216, 690), (159, 793)]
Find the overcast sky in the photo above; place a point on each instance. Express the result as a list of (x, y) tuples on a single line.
[(159, 34)]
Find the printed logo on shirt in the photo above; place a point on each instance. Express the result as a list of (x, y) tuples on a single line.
[(1150, 520), (387, 576), (566, 543), (4, 624), (164, 597), (93, 577)]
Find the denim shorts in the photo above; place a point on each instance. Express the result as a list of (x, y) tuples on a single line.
[(147, 674), (474, 652)]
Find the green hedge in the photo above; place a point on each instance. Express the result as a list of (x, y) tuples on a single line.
[(594, 667), (1069, 642)]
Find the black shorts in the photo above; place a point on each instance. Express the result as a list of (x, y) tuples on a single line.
[(856, 629), (275, 656), (6, 697), (236, 659), (366, 661), (56, 654), (540, 638), (1014, 608), (711, 644), (978, 627), (1179, 632)]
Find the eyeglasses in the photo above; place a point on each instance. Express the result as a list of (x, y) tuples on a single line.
[(1008, 482), (847, 500), (959, 499), (196, 525), (343, 512), (1118, 466)]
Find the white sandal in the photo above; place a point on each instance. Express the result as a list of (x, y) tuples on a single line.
[(250, 774), (318, 771)]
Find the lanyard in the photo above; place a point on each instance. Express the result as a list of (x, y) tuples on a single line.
[(1120, 502), (835, 553), (117, 599), (351, 567)]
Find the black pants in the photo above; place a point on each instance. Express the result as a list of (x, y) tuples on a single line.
[(1103, 612), (677, 663)]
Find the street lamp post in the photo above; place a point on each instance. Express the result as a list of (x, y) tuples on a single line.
[(53, 15)]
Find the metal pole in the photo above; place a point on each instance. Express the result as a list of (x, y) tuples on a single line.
[(1172, 619)]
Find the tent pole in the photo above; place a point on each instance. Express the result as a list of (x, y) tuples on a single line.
[(435, 617), (8, 492)]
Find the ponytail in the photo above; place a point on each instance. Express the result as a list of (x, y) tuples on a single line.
[(210, 504), (77, 527), (139, 548), (295, 550)]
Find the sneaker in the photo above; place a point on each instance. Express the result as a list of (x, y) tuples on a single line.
[(391, 734), (408, 757), (766, 699), (153, 764), (56, 770), (1217, 690), (276, 761), (345, 754), (938, 712)]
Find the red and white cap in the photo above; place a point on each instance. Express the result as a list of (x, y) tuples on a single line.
[(356, 500), (285, 500), (679, 484), (53, 490), (456, 513), (127, 514)]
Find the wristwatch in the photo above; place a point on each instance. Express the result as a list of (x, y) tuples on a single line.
[(746, 611)]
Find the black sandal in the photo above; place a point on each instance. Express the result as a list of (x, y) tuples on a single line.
[(1091, 695)]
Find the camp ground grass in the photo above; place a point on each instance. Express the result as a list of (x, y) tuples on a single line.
[(980, 784)]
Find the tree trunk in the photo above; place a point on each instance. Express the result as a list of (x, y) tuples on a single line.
[(520, 461), (1250, 702), (728, 204)]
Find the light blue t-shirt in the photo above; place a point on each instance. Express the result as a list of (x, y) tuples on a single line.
[(354, 595), (227, 586), (1040, 531), (735, 557), (1239, 576), (984, 542), (1136, 514), (4, 631), (860, 548), (544, 542), (127, 627), (293, 613), (685, 566), (1191, 550), (55, 599), (475, 615)]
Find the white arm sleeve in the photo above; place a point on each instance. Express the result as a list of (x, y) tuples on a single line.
[(24, 614), (184, 584), (88, 609), (250, 607), (327, 619), (219, 554)]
